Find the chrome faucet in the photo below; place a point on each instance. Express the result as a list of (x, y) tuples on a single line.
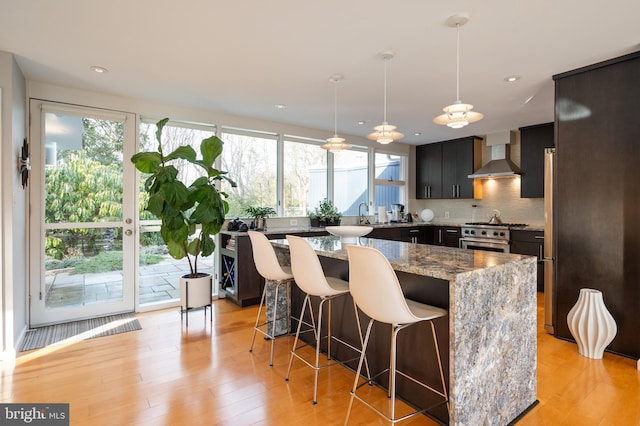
[(362, 219)]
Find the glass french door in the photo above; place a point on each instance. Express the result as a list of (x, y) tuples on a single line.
[(83, 192)]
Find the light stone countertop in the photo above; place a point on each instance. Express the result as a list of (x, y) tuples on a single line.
[(420, 259)]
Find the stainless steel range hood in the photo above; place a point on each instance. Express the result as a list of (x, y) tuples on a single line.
[(500, 165)]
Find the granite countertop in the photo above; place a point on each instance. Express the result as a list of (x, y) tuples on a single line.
[(306, 229), (420, 259)]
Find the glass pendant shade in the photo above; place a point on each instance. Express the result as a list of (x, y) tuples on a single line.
[(385, 133), (458, 115), (335, 143)]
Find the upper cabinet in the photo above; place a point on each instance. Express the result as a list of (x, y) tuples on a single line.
[(442, 168), (429, 171), (533, 140)]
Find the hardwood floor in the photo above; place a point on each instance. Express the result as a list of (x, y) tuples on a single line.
[(165, 374)]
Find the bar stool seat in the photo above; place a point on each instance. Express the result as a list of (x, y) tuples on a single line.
[(310, 278), (376, 291), (276, 277)]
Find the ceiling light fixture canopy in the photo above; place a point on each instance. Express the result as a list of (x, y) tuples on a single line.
[(385, 133), (335, 143), (458, 115)]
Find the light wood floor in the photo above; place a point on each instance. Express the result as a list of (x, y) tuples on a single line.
[(165, 374)]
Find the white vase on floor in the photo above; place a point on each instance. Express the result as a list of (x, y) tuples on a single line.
[(591, 324)]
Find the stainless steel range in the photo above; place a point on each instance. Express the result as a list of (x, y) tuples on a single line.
[(485, 236)]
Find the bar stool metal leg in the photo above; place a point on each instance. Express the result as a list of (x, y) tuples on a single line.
[(269, 324)]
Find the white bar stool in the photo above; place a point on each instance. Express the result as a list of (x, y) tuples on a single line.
[(376, 290), (275, 275), (310, 277)]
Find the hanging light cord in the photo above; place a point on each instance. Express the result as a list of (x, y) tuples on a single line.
[(384, 113), (335, 108), (458, 63)]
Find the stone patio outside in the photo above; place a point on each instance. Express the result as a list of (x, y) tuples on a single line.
[(158, 283)]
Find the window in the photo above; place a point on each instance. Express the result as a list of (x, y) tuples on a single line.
[(350, 180), (389, 182), (304, 176), (250, 158)]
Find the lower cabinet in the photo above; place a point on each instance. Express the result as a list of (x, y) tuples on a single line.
[(239, 279), (532, 244), (418, 234), (448, 236)]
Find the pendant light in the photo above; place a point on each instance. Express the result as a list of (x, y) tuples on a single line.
[(458, 114), (335, 143), (385, 133)]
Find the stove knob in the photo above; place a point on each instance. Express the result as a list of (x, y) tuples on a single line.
[(502, 234), (484, 232), (495, 233), (472, 232)]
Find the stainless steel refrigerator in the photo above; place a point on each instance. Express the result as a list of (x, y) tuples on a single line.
[(549, 260)]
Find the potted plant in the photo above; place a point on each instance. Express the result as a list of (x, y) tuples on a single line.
[(328, 214), (314, 219), (259, 216), (191, 215)]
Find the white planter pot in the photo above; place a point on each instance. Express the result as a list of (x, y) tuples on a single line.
[(591, 324), (195, 292)]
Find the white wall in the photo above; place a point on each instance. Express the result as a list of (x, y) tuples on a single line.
[(13, 205)]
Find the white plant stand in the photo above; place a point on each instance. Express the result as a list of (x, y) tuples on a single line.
[(195, 293)]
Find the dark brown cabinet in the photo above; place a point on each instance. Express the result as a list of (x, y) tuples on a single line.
[(239, 279), (442, 168), (418, 234), (596, 203), (530, 243), (533, 141), (429, 171), (460, 158), (448, 236)]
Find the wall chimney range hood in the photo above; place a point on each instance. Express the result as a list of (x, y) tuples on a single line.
[(500, 165)]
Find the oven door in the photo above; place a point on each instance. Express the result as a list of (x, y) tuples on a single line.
[(484, 244)]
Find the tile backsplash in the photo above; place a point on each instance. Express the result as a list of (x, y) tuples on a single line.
[(497, 194)]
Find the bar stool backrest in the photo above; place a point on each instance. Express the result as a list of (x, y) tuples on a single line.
[(374, 286), (265, 258), (307, 269)]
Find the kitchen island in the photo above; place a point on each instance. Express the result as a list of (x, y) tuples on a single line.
[(488, 340)]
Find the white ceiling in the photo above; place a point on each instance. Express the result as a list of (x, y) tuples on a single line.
[(243, 57)]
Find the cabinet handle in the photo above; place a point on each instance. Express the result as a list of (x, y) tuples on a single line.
[(439, 236), (458, 190), (452, 231), (539, 237), (429, 191), (426, 191), (540, 254), (454, 191), (413, 231)]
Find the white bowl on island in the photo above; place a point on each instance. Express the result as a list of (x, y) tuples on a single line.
[(347, 233)]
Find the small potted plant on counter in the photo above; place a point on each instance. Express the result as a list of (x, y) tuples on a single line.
[(259, 216), (328, 214), (314, 219)]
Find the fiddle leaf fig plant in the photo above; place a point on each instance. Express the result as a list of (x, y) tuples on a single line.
[(191, 215)]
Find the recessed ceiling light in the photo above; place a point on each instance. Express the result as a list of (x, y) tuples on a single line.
[(98, 69), (281, 106), (417, 133), (362, 122), (512, 78)]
